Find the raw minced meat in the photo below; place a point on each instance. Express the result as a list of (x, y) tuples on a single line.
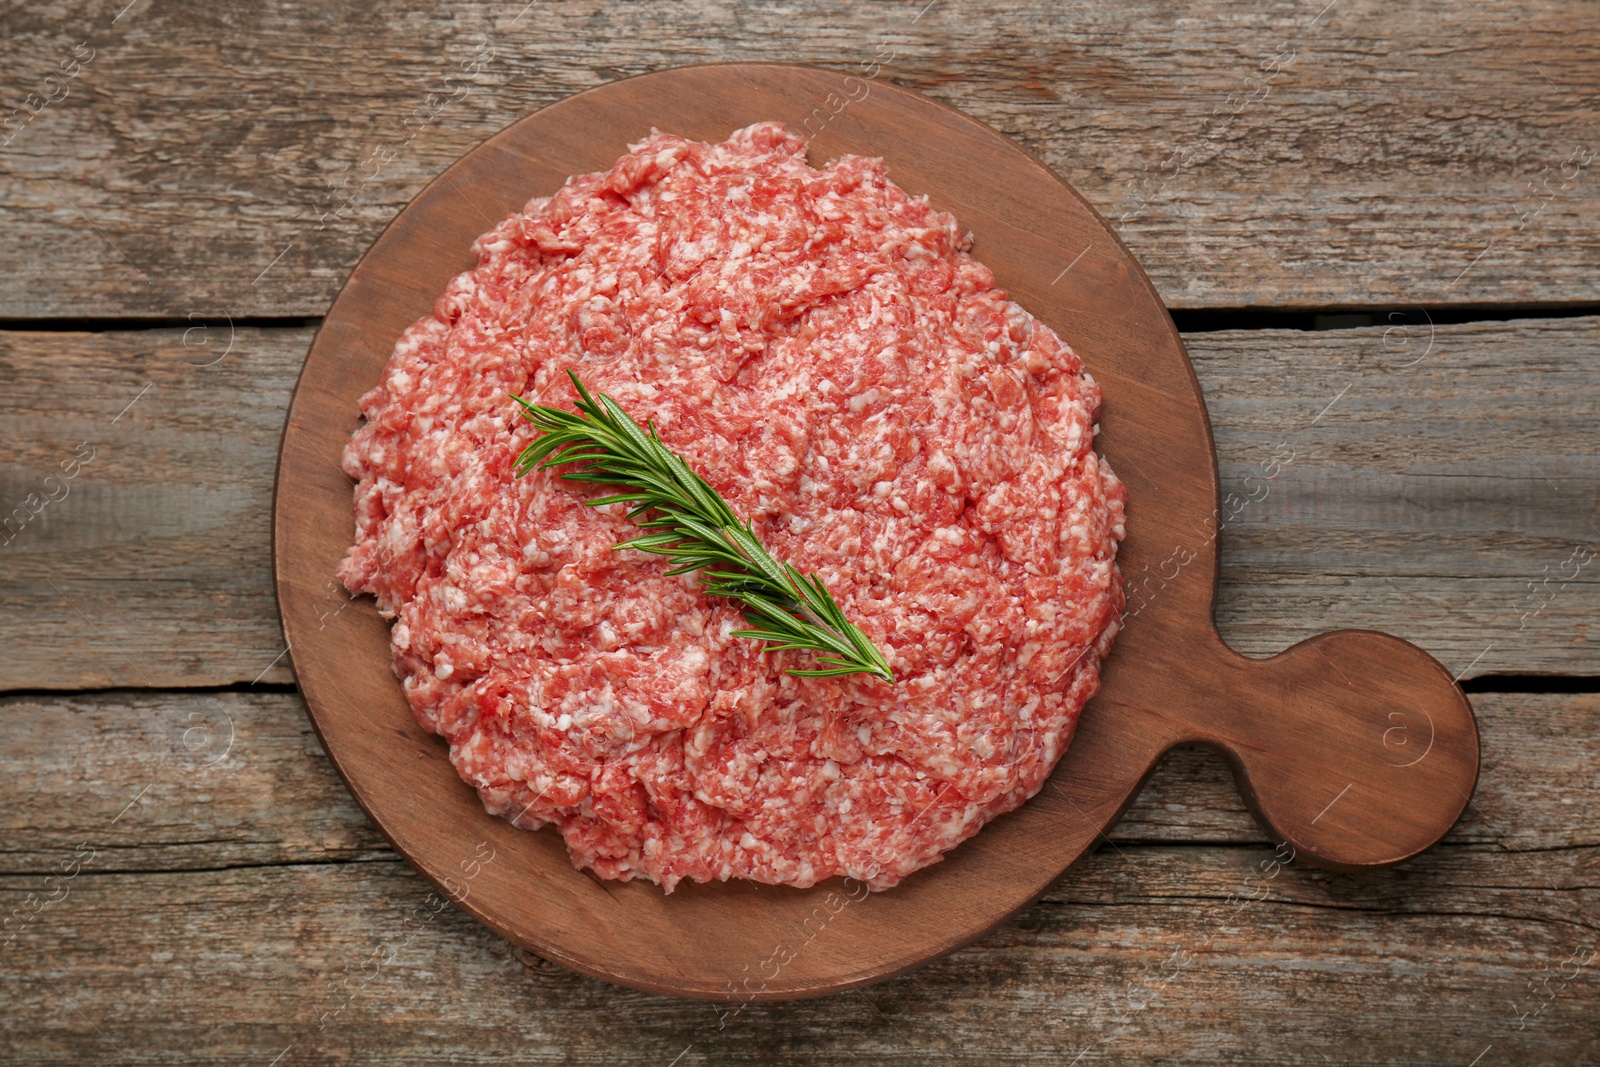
[(824, 350)]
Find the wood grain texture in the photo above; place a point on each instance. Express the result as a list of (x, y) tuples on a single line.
[(231, 779), (223, 160), (1406, 453), (236, 933), (1304, 731), (1408, 505), (238, 159), (152, 565), (1153, 953)]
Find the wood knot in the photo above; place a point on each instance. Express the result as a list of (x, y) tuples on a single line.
[(536, 963)]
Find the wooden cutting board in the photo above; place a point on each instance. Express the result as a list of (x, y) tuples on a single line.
[(1354, 749)]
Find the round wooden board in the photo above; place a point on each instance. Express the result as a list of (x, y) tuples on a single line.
[(1355, 749)]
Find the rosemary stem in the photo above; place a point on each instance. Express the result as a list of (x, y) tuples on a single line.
[(697, 530)]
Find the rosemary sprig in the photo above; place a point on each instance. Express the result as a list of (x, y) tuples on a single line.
[(697, 531)]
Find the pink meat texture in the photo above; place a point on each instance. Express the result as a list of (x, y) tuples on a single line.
[(825, 352)]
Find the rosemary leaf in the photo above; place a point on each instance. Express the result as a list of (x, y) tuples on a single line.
[(689, 523)]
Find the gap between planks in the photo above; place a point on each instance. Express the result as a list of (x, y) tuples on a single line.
[(1187, 320)]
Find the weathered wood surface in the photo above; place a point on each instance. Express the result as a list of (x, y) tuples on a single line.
[(215, 161), (238, 159), (1450, 501), (1142, 957), (196, 780), (244, 908)]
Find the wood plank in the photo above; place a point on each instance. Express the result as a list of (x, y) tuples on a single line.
[(196, 780), (173, 780), (1437, 483), (1157, 953), (1450, 502), (1286, 155), (152, 567)]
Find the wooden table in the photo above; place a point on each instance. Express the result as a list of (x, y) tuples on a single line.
[(1379, 229)]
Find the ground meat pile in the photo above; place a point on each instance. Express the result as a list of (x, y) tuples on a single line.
[(824, 350)]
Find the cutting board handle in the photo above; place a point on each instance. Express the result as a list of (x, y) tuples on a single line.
[(1355, 748)]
